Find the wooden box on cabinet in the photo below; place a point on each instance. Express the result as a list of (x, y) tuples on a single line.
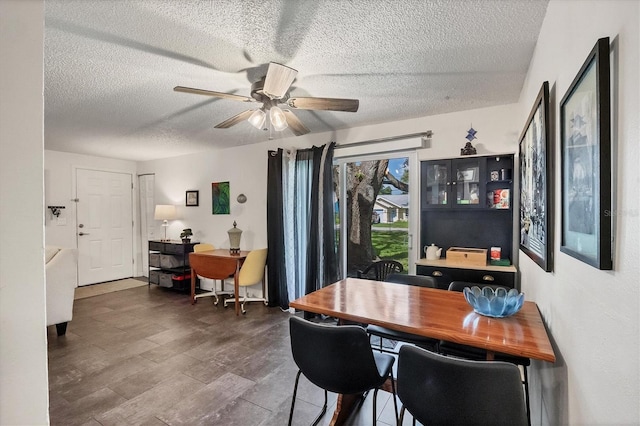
[(467, 256)]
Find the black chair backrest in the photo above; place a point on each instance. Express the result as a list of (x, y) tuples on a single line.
[(381, 269), (417, 280), (441, 390), (460, 285), (336, 358)]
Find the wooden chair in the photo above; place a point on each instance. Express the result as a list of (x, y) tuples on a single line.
[(379, 270), (213, 293)]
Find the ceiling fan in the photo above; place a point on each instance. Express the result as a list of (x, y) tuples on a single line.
[(271, 90)]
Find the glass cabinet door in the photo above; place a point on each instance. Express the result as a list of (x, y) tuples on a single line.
[(466, 182), (437, 183)]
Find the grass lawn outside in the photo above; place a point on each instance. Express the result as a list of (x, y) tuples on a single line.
[(400, 224), (391, 244)]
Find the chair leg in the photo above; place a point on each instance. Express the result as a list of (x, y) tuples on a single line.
[(393, 395), (293, 400), (375, 398), (61, 329), (215, 292), (401, 418), (324, 410), (244, 299), (526, 394)]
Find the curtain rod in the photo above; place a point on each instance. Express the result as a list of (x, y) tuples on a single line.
[(426, 134)]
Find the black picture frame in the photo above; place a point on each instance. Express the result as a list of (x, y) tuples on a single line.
[(585, 132), (192, 198), (536, 181)]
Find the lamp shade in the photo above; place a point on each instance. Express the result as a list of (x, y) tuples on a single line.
[(165, 212), (257, 119), (278, 120)]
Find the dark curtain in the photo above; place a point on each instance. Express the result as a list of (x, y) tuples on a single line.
[(322, 259), (313, 219), (276, 272)]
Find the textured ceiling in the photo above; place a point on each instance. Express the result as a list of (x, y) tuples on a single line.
[(111, 65)]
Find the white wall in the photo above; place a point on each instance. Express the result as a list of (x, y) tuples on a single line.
[(245, 167), (23, 347), (591, 314)]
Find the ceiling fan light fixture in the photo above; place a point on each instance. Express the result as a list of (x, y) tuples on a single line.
[(278, 119), (271, 90), (257, 119)]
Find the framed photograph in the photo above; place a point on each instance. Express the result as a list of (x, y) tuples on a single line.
[(192, 199), (468, 175), (220, 201), (536, 177), (585, 132)]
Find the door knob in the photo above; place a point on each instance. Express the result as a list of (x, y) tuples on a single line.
[(82, 233), (81, 226)]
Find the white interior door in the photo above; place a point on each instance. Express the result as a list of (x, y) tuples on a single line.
[(105, 226)]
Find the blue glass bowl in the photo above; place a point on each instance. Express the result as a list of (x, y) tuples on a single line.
[(498, 303)]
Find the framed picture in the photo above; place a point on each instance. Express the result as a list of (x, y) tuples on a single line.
[(192, 199), (220, 201), (468, 175), (536, 177), (585, 132)]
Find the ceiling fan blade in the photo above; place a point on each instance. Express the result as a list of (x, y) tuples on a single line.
[(235, 119), (278, 80), (329, 104), (211, 93), (295, 124)]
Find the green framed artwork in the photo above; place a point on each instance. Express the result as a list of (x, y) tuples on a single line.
[(220, 198)]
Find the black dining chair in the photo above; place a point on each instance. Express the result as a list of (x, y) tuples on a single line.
[(387, 333), (338, 359), (437, 390), (379, 269), (469, 352)]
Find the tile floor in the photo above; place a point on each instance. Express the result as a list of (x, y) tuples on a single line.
[(146, 356)]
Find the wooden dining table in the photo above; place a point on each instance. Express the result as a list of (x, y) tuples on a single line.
[(217, 265), (434, 313)]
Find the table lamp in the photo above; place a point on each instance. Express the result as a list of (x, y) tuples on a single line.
[(165, 213)]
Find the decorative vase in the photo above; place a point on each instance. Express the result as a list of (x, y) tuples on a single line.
[(234, 239)]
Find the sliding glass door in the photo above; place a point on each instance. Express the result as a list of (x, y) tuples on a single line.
[(374, 210)]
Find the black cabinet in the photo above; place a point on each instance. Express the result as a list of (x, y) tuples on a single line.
[(467, 183), (169, 264), (467, 202), (453, 183), (444, 274)]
